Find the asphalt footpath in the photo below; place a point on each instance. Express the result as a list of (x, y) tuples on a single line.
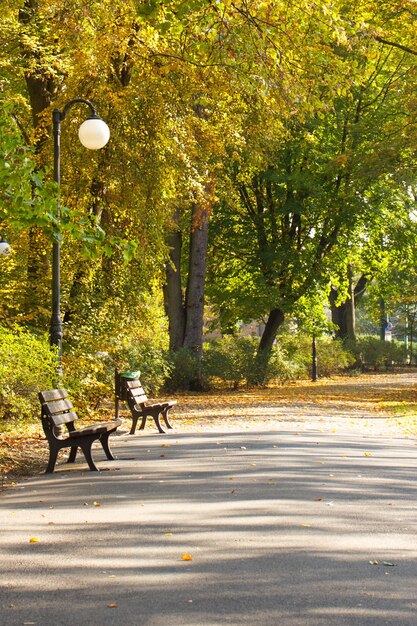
[(263, 524)]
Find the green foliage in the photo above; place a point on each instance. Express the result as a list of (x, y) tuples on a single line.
[(230, 359), (185, 371), (278, 367), (371, 352), (284, 122), (25, 198), (27, 366), (234, 360), (111, 338), (332, 356)]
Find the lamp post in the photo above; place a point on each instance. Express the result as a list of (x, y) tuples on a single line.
[(93, 134), (314, 372)]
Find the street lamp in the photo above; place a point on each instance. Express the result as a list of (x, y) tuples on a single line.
[(5, 248), (93, 134)]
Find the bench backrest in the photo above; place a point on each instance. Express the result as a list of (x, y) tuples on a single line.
[(135, 392), (57, 407)]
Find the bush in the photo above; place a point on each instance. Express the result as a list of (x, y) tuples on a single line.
[(234, 360), (89, 367), (332, 356), (371, 352), (185, 371), (231, 359), (27, 366)]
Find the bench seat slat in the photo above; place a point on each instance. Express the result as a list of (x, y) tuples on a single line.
[(140, 399), (134, 384), (52, 394), (58, 406), (63, 418), (138, 391), (104, 427)]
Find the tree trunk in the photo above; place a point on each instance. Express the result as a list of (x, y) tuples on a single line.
[(275, 320), (41, 89), (186, 317), (343, 314), (174, 305), (194, 300)]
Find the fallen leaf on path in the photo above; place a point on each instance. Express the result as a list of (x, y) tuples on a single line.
[(96, 504), (112, 605), (186, 557), (367, 454), (33, 540)]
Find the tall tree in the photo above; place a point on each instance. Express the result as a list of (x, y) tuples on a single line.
[(298, 217)]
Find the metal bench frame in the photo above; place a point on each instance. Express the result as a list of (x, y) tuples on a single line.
[(57, 412)]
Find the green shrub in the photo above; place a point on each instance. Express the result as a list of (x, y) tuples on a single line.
[(234, 360), (89, 367), (27, 366), (231, 359), (185, 371), (332, 356), (371, 352)]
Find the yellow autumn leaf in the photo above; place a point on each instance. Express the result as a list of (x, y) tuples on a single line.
[(186, 557), (33, 540), (367, 454), (96, 504)]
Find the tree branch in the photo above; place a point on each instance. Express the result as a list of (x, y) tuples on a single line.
[(395, 45)]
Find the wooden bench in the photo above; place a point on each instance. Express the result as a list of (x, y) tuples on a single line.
[(57, 412), (141, 407)]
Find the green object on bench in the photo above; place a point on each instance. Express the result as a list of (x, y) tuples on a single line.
[(130, 375), (57, 411)]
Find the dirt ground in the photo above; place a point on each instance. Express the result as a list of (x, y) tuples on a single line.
[(383, 403)]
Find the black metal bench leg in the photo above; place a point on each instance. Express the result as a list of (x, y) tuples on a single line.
[(104, 440), (158, 423), (73, 454), (53, 454), (143, 422), (166, 420), (86, 448), (134, 424)]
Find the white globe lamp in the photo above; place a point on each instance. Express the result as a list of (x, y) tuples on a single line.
[(5, 248), (94, 133)]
